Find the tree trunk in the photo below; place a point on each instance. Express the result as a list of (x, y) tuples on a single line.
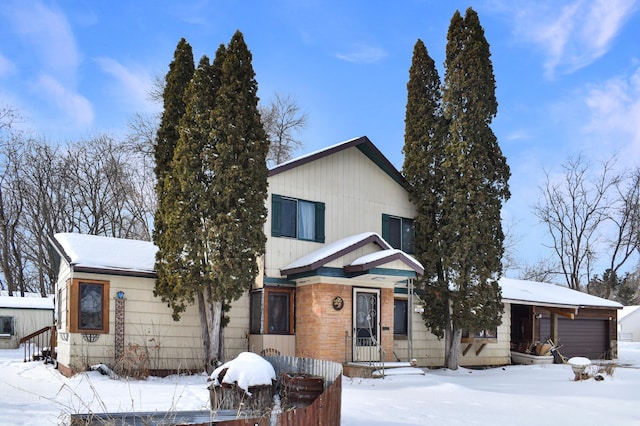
[(211, 321), (454, 349)]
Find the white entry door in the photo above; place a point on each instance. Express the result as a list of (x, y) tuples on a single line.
[(366, 325)]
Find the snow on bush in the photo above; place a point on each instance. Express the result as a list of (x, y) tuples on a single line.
[(246, 370)]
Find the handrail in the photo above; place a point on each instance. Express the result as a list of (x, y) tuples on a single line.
[(36, 338)]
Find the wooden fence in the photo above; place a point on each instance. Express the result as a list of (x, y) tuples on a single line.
[(324, 411)]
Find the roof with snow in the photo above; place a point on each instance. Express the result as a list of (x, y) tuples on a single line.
[(553, 295), (362, 143), (29, 301), (119, 256), (339, 248)]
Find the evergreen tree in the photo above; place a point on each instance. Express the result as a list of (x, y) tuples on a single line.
[(218, 182), (180, 266), (168, 257), (459, 233), (425, 130), (240, 182)]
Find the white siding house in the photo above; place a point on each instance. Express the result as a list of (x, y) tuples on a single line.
[(21, 316), (335, 282)]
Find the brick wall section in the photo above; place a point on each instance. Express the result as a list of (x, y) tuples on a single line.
[(320, 329), (386, 308)]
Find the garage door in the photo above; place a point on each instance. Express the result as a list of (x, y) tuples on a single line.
[(579, 337)]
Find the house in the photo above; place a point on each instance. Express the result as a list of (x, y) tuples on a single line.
[(20, 316), (335, 282), (629, 324)]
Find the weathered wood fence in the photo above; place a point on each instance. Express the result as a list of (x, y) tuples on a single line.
[(324, 411)]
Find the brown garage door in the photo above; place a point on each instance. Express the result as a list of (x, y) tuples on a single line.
[(579, 337)]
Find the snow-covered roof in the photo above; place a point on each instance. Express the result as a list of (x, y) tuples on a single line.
[(93, 252), (346, 245), (30, 301), (531, 292)]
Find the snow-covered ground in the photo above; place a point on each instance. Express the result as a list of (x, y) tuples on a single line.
[(36, 394)]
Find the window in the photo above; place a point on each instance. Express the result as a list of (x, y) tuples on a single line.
[(88, 306), (255, 320), (398, 232), (295, 218), (6, 326), (482, 336), (277, 312), (400, 317)]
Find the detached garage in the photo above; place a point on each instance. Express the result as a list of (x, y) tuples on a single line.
[(578, 323)]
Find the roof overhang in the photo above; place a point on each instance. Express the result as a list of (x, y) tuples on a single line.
[(384, 263)]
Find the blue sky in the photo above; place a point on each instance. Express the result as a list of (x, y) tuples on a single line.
[(567, 72)]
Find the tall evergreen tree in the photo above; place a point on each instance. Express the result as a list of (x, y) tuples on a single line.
[(477, 177), (425, 130), (240, 182), (181, 268), (218, 182), (168, 257), (459, 233)]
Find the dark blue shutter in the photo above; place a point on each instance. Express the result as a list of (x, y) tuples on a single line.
[(276, 215), (385, 227), (319, 222)]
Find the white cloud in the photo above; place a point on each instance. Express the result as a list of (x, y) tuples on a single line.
[(76, 107), (132, 85), (363, 54), (574, 35), (614, 114), (48, 31), (6, 66)]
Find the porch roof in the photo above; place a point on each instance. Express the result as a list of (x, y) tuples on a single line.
[(364, 264)]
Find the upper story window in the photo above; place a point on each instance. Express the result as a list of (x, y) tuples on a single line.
[(399, 232), (294, 218)]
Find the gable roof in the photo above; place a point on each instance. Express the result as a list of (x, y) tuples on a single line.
[(98, 254), (544, 294), (344, 246), (362, 143)]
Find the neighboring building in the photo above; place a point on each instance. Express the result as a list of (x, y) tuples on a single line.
[(21, 316), (629, 324), (335, 282)]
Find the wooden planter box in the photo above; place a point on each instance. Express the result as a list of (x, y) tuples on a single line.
[(232, 397), (300, 390)]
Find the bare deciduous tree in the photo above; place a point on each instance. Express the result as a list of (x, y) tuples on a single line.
[(625, 220), (281, 119), (574, 209)]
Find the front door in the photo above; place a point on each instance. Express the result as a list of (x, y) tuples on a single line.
[(366, 325)]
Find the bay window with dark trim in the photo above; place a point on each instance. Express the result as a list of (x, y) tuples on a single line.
[(272, 311), (399, 232), (295, 218)]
